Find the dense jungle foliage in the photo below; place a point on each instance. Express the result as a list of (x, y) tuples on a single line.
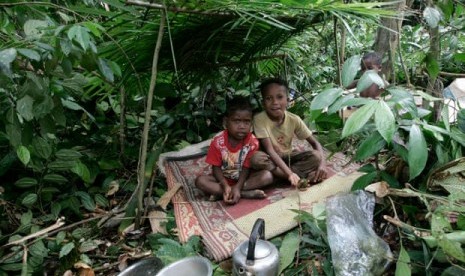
[(92, 92)]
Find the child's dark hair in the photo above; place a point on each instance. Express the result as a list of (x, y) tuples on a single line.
[(264, 85), (374, 57), (238, 103)]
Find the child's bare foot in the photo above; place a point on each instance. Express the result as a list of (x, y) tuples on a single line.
[(254, 194)]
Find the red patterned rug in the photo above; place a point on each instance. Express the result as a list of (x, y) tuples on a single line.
[(223, 227)]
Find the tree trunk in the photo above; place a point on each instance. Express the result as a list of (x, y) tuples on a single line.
[(387, 39)]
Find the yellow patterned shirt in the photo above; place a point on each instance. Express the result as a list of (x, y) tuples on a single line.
[(281, 136)]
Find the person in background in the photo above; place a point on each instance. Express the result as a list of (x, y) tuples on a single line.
[(370, 61), (275, 127), (229, 156)]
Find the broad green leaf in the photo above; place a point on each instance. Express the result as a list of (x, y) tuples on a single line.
[(42, 108), (29, 200), (68, 154), (95, 28), (385, 121), (13, 132), (432, 16), (82, 171), (41, 147), (26, 218), (55, 209), (34, 29), (7, 56), (81, 35), (61, 165), (358, 119), (452, 248), (326, 98), (403, 99), (101, 201), (363, 181), (87, 246), (11, 267), (26, 182), (66, 46), (288, 250), (30, 54), (55, 178), (417, 151), (105, 70), (38, 249), (452, 271), (367, 79), (24, 107), (115, 68), (349, 70), (370, 146), (23, 154), (86, 200), (439, 224), (66, 249), (340, 103), (403, 263)]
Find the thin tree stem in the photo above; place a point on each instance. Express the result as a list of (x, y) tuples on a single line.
[(145, 133)]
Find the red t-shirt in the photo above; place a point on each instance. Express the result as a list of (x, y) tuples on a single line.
[(231, 160)]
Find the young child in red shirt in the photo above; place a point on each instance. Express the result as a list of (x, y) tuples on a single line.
[(229, 155)]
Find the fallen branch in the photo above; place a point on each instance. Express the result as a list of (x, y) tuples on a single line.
[(60, 222)]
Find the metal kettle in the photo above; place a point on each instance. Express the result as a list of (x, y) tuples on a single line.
[(256, 256)]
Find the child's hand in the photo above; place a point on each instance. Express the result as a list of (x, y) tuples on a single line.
[(294, 179), (226, 193), (234, 196)]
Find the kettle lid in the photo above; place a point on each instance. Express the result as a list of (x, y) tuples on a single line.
[(262, 249)]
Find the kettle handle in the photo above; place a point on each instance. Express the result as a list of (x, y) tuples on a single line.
[(258, 232)]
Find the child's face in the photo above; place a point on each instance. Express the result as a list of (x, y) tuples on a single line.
[(239, 124), (275, 101), (370, 65)]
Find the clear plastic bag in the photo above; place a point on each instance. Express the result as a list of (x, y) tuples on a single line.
[(355, 247)]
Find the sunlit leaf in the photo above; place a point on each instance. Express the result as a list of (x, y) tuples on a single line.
[(385, 121), (81, 35), (34, 29), (24, 107), (23, 154), (367, 79), (105, 70), (66, 249), (358, 119), (30, 54), (432, 16), (288, 250), (403, 263), (452, 248), (417, 151), (326, 98), (349, 70)]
